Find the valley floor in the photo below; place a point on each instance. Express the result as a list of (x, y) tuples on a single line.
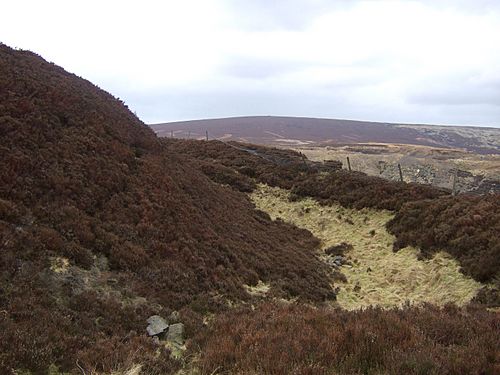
[(376, 275)]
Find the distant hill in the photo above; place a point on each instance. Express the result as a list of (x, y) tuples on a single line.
[(272, 130)]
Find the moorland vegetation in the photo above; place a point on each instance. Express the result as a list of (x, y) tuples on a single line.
[(102, 224)]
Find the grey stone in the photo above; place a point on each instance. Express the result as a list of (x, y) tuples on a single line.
[(174, 317), (157, 325), (175, 333), (339, 260)]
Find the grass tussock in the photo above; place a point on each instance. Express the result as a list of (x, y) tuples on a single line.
[(294, 339), (377, 275)]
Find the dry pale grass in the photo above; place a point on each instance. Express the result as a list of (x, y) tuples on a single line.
[(378, 276), (134, 370), (259, 290), (59, 264)]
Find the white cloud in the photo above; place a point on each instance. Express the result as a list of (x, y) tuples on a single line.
[(403, 61)]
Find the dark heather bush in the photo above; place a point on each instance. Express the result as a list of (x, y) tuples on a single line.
[(287, 169), (272, 166), (145, 230), (297, 339), (339, 249), (466, 226)]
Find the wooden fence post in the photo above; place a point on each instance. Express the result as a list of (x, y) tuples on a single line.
[(304, 161), (400, 173), (454, 188), (171, 134), (348, 164), (206, 133)]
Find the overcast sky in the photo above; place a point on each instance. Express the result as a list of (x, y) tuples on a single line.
[(391, 61)]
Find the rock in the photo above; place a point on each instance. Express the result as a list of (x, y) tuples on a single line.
[(330, 262), (175, 333), (157, 325), (174, 317), (339, 260)]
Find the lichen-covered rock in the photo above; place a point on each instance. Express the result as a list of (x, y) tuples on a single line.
[(176, 333), (157, 325)]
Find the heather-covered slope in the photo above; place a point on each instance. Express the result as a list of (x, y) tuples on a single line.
[(427, 217), (466, 226), (292, 339), (290, 170), (101, 226)]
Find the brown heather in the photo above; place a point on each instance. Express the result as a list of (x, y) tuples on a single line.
[(145, 231), (102, 225), (292, 339), (466, 226)]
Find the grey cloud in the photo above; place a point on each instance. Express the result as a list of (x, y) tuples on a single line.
[(190, 104), (166, 106), (474, 6), (255, 68), (260, 15), (296, 15), (458, 93), (368, 71)]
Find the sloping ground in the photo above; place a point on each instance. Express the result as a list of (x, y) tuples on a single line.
[(294, 339), (287, 169), (102, 225), (376, 275), (270, 165), (422, 164), (467, 227), (472, 239), (290, 131)]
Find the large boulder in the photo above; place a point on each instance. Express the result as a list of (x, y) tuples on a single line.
[(175, 333), (157, 325)]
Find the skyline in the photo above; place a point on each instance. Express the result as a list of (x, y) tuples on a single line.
[(429, 62)]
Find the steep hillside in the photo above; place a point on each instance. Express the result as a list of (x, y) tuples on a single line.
[(101, 226)]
